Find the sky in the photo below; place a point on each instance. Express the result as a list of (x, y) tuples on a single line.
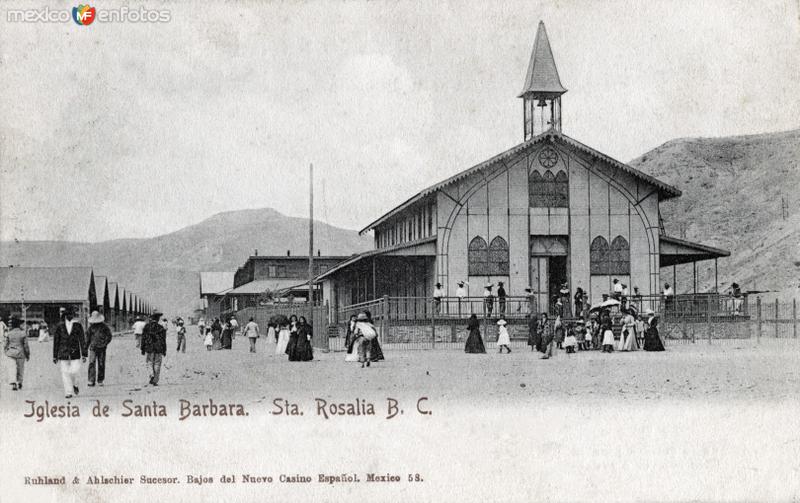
[(123, 130)]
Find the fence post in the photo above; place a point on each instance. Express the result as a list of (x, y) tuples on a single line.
[(794, 318), (708, 317), (776, 318), (758, 318), (385, 319), (433, 328)]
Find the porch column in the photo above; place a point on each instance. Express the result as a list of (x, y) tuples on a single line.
[(374, 291), (716, 277), (694, 277)]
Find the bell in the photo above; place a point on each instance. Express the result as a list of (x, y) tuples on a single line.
[(542, 103)]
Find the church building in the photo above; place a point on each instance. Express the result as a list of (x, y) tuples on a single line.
[(545, 212)]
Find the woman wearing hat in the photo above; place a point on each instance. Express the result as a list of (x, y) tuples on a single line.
[(474, 341), (652, 341), (365, 334), (503, 339), (98, 336)]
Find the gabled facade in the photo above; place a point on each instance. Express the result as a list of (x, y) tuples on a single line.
[(548, 211)]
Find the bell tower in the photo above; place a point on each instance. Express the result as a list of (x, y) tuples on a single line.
[(541, 95)]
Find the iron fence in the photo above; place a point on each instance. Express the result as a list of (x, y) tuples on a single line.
[(411, 323)]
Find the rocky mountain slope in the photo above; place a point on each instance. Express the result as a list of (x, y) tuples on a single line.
[(165, 269), (742, 194)]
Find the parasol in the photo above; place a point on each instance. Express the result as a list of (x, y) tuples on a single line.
[(278, 320), (604, 304)]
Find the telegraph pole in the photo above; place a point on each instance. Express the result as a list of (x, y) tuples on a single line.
[(311, 243)]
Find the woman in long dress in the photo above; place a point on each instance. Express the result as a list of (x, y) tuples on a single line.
[(652, 341), (292, 334), (474, 341), (377, 352), (350, 341), (226, 340), (629, 331), (283, 339), (302, 350), (608, 336), (216, 332), (365, 334), (533, 332)]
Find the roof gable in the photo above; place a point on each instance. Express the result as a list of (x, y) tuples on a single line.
[(665, 190)]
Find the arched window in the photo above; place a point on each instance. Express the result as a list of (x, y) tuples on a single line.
[(478, 257), (599, 256), (619, 257), (498, 257), (561, 190), (548, 190)]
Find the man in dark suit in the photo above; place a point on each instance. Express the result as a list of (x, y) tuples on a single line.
[(154, 345), (69, 350)]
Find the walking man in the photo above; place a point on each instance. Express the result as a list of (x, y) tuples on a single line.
[(98, 336), (154, 346), (181, 335), (69, 351), (251, 332)]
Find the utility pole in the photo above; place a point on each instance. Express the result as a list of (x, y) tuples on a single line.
[(24, 309), (311, 243)]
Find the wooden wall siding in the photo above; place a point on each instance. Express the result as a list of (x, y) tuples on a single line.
[(603, 201)]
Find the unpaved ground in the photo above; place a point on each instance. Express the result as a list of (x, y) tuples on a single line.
[(697, 422)]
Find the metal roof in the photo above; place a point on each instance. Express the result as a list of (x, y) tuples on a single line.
[(45, 284), (666, 191), (680, 251), (542, 76), (262, 285), (216, 282)]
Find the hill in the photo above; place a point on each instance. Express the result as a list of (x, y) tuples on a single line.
[(732, 198), (165, 269)]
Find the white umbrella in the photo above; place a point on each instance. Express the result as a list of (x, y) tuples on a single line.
[(605, 303)]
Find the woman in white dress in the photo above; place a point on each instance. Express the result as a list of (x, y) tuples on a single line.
[(503, 339), (629, 329), (283, 340)]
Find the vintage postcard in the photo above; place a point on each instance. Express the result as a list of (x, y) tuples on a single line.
[(400, 251)]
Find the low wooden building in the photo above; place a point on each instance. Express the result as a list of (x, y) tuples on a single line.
[(548, 211), (213, 287), (278, 278), (37, 293)]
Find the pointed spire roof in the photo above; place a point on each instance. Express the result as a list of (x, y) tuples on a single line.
[(542, 73)]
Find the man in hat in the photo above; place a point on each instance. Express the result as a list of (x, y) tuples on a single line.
[(438, 293), (461, 293), (488, 299), (501, 298), (69, 351), (154, 346), (97, 337)]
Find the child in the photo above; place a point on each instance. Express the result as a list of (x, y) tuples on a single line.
[(570, 341), (580, 335), (503, 339), (558, 327), (640, 328), (608, 338), (209, 340)]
